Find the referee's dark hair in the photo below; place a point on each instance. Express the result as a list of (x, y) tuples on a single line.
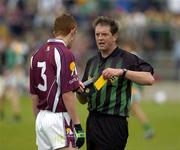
[(103, 20)]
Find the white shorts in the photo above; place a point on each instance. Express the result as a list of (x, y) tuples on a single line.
[(54, 130)]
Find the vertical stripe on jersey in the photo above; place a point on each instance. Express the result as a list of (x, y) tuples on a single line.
[(123, 96), (113, 98), (128, 97), (93, 73), (118, 96), (108, 100), (57, 57), (98, 95), (102, 94)]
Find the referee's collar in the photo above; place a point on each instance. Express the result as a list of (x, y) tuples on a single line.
[(113, 54), (57, 40)]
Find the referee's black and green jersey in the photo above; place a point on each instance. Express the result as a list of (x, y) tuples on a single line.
[(114, 97)]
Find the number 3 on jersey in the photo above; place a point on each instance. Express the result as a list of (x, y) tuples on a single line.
[(43, 75)]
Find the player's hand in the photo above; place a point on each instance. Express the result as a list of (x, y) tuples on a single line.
[(80, 135), (80, 93), (81, 87)]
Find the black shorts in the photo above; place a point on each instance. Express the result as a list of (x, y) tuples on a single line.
[(106, 132)]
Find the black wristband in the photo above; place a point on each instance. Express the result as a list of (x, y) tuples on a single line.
[(124, 73), (78, 126), (80, 135)]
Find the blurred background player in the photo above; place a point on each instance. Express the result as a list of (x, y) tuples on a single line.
[(13, 79), (137, 93), (2, 83)]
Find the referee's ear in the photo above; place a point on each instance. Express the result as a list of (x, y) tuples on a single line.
[(116, 37)]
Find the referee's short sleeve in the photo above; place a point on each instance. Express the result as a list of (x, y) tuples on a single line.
[(139, 64)]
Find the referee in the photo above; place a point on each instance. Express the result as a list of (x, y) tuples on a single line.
[(113, 71)]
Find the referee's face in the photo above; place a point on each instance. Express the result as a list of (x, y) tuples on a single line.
[(104, 39)]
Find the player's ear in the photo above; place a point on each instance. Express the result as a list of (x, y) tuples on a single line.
[(54, 33), (73, 31)]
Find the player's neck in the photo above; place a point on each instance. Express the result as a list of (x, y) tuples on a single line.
[(60, 38), (64, 39)]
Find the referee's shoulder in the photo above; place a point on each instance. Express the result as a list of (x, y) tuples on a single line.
[(127, 54)]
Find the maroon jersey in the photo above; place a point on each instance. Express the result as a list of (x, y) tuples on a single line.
[(52, 73)]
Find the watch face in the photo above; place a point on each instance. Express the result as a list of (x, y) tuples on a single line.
[(124, 72)]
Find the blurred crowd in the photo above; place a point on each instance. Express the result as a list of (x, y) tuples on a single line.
[(24, 24)]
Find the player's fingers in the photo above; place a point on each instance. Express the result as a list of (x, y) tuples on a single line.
[(81, 85)]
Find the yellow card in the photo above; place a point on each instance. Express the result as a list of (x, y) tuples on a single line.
[(100, 83)]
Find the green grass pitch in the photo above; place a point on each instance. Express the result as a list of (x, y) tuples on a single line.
[(165, 119)]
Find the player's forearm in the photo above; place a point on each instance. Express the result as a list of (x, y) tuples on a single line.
[(143, 78), (70, 104), (34, 105)]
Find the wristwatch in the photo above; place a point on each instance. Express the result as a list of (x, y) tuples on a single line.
[(124, 72)]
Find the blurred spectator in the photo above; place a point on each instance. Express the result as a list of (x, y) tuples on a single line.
[(47, 11), (15, 16), (124, 5), (176, 54), (174, 5)]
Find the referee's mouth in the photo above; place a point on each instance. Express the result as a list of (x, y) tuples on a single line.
[(101, 44)]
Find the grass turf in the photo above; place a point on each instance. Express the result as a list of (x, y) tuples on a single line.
[(164, 118)]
